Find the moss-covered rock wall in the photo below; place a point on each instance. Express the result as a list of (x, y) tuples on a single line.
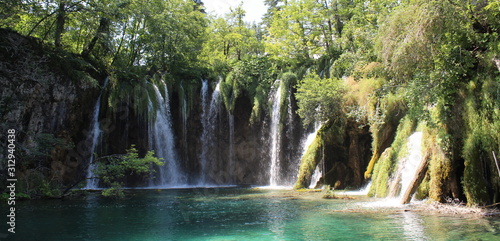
[(342, 151), (47, 97)]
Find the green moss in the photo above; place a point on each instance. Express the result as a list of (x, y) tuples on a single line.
[(383, 122), (473, 180), (287, 81), (481, 180), (424, 188), (309, 162), (329, 194), (436, 141), (259, 101)]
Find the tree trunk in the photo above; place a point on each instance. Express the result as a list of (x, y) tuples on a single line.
[(101, 30), (60, 21), (421, 171)]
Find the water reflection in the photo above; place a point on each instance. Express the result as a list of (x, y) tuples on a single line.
[(276, 219), (413, 226)]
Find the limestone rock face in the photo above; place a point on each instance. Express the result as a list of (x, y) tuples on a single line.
[(47, 97), (347, 156), (342, 153)]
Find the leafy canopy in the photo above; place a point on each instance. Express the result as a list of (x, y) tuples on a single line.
[(320, 99)]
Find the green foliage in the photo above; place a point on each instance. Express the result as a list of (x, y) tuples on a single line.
[(37, 183), (301, 30), (229, 40), (114, 191), (320, 99), (251, 78), (50, 190), (112, 169), (481, 138), (166, 35)]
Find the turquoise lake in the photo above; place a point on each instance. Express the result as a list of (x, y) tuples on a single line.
[(236, 214)]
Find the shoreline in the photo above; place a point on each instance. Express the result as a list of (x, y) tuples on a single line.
[(389, 206)]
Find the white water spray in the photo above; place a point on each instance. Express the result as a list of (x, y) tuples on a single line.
[(92, 181), (411, 162), (315, 177), (184, 117), (305, 145), (275, 135), (407, 168), (163, 140), (209, 121), (231, 147)]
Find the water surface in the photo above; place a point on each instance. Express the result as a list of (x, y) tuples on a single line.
[(236, 214)]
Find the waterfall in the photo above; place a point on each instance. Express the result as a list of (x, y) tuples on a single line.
[(305, 145), (209, 121), (274, 170), (412, 161), (315, 177), (361, 192), (163, 141), (231, 147), (204, 135), (407, 166), (93, 182), (184, 117), (292, 152)]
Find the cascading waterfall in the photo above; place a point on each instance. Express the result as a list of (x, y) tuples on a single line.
[(315, 177), (204, 135), (275, 135), (407, 167), (412, 161), (209, 121), (93, 182), (162, 137), (305, 145)]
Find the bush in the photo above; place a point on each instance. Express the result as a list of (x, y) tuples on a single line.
[(112, 169)]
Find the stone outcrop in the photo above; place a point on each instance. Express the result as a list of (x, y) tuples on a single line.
[(47, 96), (342, 151)]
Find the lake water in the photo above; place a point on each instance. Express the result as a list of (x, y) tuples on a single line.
[(236, 214)]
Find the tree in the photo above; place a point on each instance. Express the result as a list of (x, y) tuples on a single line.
[(231, 39), (112, 169), (302, 30), (320, 99), (294, 33)]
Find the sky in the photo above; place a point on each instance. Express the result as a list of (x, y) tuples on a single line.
[(254, 9)]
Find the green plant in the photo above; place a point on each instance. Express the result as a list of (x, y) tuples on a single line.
[(115, 191), (320, 99), (112, 169)]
